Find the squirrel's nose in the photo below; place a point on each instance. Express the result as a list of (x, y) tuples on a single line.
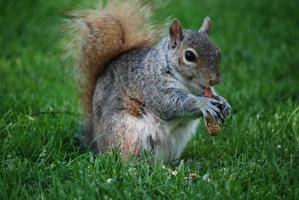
[(215, 79)]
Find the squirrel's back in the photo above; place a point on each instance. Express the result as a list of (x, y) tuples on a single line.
[(106, 33)]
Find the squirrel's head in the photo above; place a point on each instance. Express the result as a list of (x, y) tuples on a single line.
[(193, 55)]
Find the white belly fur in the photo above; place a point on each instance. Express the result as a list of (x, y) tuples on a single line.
[(178, 133), (172, 136)]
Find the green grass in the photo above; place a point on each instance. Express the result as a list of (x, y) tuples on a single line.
[(255, 157)]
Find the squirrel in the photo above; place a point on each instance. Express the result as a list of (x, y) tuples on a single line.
[(142, 92)]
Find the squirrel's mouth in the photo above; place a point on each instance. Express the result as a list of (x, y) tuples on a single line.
[(196, 87), (215, 82), (203, 86), (210, 83)]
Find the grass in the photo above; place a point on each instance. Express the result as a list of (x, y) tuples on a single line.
[(255, 157)]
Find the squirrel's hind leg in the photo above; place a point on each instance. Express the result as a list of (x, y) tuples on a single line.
[(130, 134), (137, 135)]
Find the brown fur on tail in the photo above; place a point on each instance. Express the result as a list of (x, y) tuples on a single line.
[(105, 33)]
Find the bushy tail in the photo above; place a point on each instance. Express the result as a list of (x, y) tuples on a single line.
[(103, 34)]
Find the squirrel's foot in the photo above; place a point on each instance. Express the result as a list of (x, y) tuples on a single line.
[(209, 106), (226, 108)]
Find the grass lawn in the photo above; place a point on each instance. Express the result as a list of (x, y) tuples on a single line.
[(255, 157)]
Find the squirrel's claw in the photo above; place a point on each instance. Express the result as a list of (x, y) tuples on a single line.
[(227, 108), (208, 106), (214, 110)]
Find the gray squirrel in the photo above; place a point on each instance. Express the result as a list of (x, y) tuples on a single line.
[(143, 93)]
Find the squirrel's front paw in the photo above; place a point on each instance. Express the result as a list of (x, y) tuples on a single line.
[(210, 106), (226, 108)]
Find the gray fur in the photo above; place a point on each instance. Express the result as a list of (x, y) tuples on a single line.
[(168, 92)]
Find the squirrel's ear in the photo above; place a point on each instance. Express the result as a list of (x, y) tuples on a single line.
[(206, 25), (175, 33)]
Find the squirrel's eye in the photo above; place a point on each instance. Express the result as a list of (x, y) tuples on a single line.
[(190, 56)]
